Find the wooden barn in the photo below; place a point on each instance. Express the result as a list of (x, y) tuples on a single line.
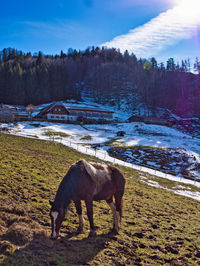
[(61, 112), (150, 120)]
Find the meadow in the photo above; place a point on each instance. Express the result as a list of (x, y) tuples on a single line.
[(158, 226)]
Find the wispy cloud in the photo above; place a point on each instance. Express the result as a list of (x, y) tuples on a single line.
[(127, 3), (59, 30), (166, 29)]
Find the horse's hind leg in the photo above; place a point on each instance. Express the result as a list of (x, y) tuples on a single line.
[(80, 216), (113, 209), (118, 203)]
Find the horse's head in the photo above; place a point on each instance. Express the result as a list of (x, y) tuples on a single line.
[(57, 214)]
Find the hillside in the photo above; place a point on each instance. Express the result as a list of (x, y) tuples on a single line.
[(104, 75), (158, 226), (158, 147)]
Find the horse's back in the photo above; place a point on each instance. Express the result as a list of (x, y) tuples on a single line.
[(118, 176), (99, 180)]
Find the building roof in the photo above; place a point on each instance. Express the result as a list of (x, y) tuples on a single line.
[(88, 109), (49, 107), (8, 108)]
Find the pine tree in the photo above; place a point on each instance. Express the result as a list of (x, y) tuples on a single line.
[(40, 58)]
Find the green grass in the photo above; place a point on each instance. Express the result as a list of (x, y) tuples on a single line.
[(158, 227), (50, 133), (87, 137), (171, 185), (113, 142)]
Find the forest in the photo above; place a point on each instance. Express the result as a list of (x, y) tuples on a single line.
[(104, 75)]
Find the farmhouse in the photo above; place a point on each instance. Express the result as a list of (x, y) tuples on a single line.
[(61, 112), (9, 113), (6, 113)]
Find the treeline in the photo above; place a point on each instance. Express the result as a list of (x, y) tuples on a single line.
[(106, 75)]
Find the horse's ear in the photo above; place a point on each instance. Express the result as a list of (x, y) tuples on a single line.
[(51, 202)]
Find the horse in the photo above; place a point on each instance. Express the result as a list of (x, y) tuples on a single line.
[(89, 182)]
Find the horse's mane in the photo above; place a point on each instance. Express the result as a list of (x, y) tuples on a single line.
[(68, 186)]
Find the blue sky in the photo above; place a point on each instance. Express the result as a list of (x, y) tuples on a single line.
[(147, 28)]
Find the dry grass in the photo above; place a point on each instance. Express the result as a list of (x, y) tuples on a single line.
[(158, 227)]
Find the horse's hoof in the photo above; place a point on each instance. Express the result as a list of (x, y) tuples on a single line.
[(114, 231), (79, 231), (54, 237), (92, 234)]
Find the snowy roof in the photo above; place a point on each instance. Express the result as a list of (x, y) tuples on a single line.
[(88, 109), (47, 108)]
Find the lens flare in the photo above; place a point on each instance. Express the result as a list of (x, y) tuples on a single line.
[(188, 3), (188, 10)]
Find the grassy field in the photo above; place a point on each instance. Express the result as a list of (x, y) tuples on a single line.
[(158, 227)]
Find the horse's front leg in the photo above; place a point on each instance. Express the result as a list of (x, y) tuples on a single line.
[(89, 207), (80, 216)]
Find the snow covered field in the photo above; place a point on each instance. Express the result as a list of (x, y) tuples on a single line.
[(155, 146), (105, 136), (137, 135)]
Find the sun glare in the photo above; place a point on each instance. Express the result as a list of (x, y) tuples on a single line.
[(188, 3), (189, 10)]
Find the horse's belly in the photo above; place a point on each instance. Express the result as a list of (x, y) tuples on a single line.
[(104, 194), (98, 197)]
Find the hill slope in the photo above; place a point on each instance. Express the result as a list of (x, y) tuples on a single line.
[(158, 227), (104, 75)]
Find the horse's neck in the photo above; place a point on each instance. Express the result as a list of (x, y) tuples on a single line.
[(61, 202), (62, 199), (68, 186), (62, 190)]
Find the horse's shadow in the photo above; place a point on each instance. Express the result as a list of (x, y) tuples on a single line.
[(67, 250)]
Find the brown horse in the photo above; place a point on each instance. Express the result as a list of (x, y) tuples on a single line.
[(88, 182)]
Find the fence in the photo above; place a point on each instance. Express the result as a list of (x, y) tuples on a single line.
[(103, 155)]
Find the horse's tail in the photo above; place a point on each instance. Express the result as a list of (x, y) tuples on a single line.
[(121, 209), (120, 182)]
